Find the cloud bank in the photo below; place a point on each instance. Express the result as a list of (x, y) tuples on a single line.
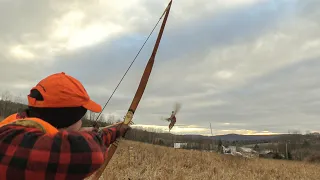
[(248, 66)]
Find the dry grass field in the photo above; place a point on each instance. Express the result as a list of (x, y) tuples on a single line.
[(134, 160)]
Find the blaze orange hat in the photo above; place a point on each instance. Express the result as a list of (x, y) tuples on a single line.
[(61, 90)]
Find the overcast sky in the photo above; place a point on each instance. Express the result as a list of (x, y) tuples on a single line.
[(245, 66)]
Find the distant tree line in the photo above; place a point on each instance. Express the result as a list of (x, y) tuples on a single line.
[(293, 145)]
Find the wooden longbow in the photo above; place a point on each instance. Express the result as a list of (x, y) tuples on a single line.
[(134, 104)]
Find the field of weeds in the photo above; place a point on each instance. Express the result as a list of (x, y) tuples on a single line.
[(134, 160)]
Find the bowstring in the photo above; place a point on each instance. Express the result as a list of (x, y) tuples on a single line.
[(130, 65)]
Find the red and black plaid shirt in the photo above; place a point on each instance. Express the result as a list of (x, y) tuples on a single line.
[(28, 153)]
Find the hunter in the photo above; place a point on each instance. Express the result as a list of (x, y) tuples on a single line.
[(46, 141)]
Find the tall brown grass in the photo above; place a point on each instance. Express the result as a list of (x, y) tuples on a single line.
[(313, 157), (134, 160)]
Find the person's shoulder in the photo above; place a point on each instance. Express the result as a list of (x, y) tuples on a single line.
[(12, 134), (10, 119), (11, 128)]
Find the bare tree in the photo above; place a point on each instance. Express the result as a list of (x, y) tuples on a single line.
[(19, 100), (101, 118), (296, 132), (92, 116), (111, 119), (6, 96), (5, 100)]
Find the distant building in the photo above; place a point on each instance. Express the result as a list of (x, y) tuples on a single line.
[(271, 155), (179, 145), (266, 151), (247, 150), (315, 134), (229, 149)]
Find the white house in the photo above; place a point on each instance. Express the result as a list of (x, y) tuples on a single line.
[(229, 150), (179, 145)]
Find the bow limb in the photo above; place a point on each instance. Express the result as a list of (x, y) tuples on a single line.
[(139, 93)]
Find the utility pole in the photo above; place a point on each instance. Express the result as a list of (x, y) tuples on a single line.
[(287, 150), (211, 136)]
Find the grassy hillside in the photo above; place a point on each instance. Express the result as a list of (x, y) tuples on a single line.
[(134, 160), (298, 146)]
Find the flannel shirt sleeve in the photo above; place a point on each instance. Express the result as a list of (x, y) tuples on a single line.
[(27, 153)]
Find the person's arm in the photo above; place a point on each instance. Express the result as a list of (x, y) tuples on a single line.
[(66, 155)]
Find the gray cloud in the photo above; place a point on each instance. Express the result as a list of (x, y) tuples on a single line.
[(245, 66)]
